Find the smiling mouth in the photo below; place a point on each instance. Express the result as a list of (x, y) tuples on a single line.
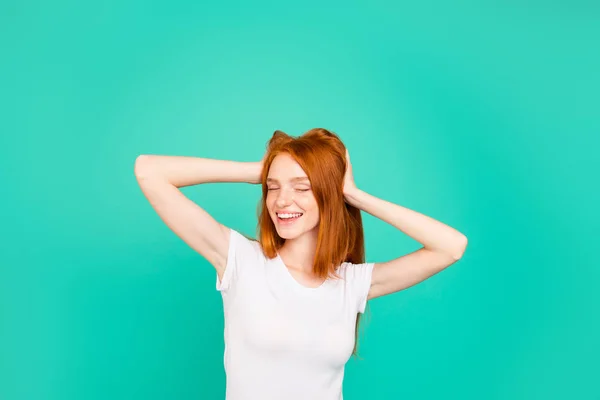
[(286, 221)]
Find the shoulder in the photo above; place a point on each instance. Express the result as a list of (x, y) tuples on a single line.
[(358, 280), (244, 245), (244, 255), (351, 272)]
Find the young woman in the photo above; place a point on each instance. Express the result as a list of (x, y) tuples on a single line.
[(292, 298)]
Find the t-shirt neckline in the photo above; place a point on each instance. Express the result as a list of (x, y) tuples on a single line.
[(294, 283)]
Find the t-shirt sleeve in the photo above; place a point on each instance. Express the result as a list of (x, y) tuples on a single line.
[(359, 280), (241, 251)]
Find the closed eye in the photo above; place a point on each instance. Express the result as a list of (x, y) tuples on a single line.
[(300, 190)]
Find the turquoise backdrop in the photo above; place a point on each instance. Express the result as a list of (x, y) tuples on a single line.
[(483, 115)]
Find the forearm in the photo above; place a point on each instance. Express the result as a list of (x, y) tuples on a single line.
[(431, 233), (183, 171)]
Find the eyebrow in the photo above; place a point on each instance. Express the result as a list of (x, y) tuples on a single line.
[(297, 178)]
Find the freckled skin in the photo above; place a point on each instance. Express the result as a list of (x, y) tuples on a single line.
[(301, 235), (290, 195)]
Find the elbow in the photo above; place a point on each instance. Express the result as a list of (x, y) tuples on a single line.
[(142, 165), (460, 248)]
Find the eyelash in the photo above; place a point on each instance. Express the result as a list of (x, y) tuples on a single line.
[(301, 190)]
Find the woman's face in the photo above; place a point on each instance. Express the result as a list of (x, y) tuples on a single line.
[(289, 193)]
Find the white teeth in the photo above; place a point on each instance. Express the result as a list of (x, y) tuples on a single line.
[(288, 215)]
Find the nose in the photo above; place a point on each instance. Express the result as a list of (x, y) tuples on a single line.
[(284, 198)]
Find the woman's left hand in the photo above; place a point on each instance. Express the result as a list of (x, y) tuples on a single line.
[(349, 185)]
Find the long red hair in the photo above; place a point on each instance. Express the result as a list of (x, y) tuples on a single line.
[(322, 156)]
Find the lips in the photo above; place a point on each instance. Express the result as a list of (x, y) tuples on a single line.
[(287, 221)]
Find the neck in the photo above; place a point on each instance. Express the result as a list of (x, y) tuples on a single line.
[(299, 253)]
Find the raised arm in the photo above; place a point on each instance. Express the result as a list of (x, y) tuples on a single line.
[(160, 176)]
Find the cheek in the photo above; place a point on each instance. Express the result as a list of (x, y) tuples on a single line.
[(269, 203), (309, 205)]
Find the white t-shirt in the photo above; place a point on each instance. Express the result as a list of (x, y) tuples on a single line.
[(283, 340)]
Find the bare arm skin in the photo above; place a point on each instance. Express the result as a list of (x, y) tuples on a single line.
[(442, 244), (160, 178)]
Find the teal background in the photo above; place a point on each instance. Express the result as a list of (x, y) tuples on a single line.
[(483, 115)]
